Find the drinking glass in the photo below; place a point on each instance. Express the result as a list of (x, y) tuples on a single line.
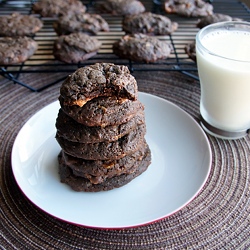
[(223, 61)]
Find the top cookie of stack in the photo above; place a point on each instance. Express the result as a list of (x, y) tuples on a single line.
[(100, 79), (101, 129)]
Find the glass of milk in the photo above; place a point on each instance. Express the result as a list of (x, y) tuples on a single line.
[(223, 60)]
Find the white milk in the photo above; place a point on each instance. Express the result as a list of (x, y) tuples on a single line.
[(225, 84)]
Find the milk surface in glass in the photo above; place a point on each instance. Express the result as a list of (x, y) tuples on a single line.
[(224, 71)]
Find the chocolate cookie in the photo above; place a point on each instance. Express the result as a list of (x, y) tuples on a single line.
[(125, 145), (142, 48), (75, 48), (80, 22), (83, 184), (98, 171), (16, 49), (17, 24), (188, 8), (191, 50), (103, 111), (101, 129), (55, 8), (71, 130), (100, 79), (121, 7), (215, 18), (148, 23)]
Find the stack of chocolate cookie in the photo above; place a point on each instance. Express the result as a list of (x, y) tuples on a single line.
[(101, 129)]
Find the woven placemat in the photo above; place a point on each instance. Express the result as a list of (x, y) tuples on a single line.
[(218, 218)]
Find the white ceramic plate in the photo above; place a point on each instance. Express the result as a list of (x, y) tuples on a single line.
[(181, 160)]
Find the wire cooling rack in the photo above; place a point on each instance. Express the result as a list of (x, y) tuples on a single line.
[(43, 60)]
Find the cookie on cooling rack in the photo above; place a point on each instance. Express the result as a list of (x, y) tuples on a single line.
[(55, 8), (80, 22), (83, 184), (215, 18), (188, 8), (17, 24), (15, 50), (191, 50), (148, 23), (142, 48), (75, 48), (121, 7)]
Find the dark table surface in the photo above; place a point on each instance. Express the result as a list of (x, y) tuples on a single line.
[(218, 217)]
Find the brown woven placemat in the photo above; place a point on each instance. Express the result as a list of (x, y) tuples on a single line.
[(218, 218)]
